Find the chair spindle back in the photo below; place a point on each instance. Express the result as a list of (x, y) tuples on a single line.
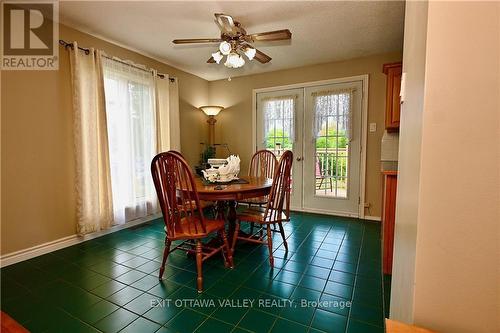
[(177, 195), (280, 189), (263, 164)]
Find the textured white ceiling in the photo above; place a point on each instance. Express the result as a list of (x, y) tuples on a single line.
[(322, 31)]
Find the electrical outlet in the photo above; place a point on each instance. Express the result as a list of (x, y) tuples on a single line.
[(373, 127)]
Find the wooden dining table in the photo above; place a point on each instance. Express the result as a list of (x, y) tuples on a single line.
[(229, 194)]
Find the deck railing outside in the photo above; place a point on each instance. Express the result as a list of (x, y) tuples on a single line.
[(331, 171)]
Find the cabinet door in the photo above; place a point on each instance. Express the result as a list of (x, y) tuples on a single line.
[(388, 220), (396, 99), (393, 101)]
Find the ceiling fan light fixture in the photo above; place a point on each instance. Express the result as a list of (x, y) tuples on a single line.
[(217, 56), (250, 52), (241, 61), (235, 40), (225, 48), (234, 60)]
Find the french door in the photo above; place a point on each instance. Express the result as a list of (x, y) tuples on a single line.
[(280, 128), (322, 125)]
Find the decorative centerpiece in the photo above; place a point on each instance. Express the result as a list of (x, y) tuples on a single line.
[(217, 162), (224, 173)]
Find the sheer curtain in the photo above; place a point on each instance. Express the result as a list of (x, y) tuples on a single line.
[(279, 119), (132, 138), (94, 207), (333, 104)]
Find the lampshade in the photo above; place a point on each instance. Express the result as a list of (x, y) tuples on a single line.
[(250, 52), (234, 60), (217, 56), (211, 110), (225, 48)]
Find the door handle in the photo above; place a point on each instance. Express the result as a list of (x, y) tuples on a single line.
[(299, 159)]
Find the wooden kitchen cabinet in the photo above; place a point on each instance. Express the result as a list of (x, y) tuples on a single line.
[(393, 101), (388, 219)]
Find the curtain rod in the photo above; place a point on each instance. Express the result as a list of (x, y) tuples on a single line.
[(87, 51)]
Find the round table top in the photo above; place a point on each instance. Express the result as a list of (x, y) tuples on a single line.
[(255, 187)]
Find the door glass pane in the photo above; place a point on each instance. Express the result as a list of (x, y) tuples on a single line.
[(332, 144), (279, 127)]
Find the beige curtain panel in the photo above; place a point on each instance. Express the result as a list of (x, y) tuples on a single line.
[(94, 206), (175, 126), (167, 113)]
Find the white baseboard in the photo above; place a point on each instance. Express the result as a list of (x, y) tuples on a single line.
[(373, 218), (325, 212), (38, 250), (334, 213)]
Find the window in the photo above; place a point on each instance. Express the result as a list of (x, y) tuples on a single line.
[(332, 143), (279, 123), (132, 139)]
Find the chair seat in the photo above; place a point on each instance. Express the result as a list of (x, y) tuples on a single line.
[(255, 201), (256, 214), (192, 229)]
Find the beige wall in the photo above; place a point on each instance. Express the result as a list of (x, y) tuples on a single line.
[(37, 195), (38, 202), (235, 123), (457, 259), (410, 139), (457, 276)]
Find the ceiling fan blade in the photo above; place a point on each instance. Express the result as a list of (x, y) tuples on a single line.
[(226, 24), (261, 57), (211, 60), (271, 35), (197, 40)]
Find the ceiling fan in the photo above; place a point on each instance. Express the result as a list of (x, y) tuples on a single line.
[(235, 40)]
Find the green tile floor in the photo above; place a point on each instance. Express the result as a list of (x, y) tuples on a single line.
[(110, 284)]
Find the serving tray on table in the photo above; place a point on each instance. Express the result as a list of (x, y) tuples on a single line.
[(234, 181)]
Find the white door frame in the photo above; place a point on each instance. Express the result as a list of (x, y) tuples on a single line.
[(364, 129)]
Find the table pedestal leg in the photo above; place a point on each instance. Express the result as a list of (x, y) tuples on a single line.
[(221, 207), (231, 218)]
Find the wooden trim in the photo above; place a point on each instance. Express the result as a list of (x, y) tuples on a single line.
[(386, 67), (393, 326), (9, 325)]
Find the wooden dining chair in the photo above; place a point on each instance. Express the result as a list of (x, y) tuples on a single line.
[(277, 209), (210, 205), (263, 164), (182, 213)]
